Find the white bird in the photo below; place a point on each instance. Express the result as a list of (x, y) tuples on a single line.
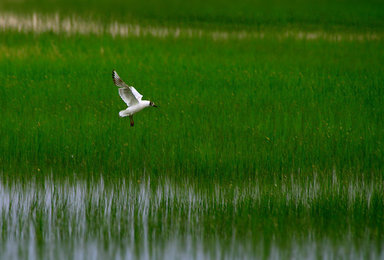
[(131, 97)]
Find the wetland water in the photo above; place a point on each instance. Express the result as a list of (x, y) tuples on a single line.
[(133, 218), (38, 23)]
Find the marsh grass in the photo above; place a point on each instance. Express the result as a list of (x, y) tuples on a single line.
[(227, 109)]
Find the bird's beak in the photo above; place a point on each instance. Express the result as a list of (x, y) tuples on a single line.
[(155, 105)]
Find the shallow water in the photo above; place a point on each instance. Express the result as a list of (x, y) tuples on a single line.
[(129, 218), (39, 23)]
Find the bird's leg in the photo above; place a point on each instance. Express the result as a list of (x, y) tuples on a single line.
[(131, 117)]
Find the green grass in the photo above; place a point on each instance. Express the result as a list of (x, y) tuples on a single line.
[(227, 109), (261, 147)]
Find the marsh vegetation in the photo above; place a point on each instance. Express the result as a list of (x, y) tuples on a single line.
[(268, 141)]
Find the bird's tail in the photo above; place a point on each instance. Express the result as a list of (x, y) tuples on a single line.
[(123, 113)]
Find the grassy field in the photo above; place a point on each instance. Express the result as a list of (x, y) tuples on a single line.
[(262, 146), (227, 109)]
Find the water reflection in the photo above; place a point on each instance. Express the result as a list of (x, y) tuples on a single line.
[(164, 219)]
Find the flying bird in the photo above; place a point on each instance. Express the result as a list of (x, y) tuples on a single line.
[(131, 97)]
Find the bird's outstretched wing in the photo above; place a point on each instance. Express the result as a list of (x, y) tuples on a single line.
[(129, 94)]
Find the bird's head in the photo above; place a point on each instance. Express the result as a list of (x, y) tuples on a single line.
[(152, 104)]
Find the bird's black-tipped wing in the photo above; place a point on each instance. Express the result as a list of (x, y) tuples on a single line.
[(118, 81)]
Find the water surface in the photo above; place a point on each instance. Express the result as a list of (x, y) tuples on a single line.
[(140, 218)]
